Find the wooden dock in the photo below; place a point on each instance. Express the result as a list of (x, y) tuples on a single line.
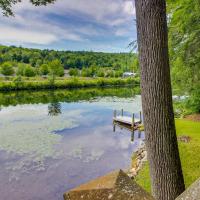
[(131, 124), (126, 120)]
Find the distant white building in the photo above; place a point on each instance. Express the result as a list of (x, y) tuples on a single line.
[(128, 74)]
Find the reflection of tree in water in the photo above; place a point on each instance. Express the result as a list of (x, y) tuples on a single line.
[(54, 108)]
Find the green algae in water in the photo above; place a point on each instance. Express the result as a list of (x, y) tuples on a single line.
[(28, 131)]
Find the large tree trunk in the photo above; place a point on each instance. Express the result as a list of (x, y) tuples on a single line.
[(165, 166)]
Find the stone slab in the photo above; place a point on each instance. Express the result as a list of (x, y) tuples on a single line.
[(114, 186), (192, 193)]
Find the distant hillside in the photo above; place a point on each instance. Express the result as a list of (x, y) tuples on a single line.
[(69, 59)]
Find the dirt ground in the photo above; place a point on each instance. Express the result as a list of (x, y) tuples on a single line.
[(193, 117)]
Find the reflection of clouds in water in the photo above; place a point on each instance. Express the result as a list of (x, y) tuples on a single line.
[(81, 153), (92, 146), (115, 103), (28, 132)]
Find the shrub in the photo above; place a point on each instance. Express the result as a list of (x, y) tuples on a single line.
[(44, 69), (56, 68), (7, 69), (100, 73), (73, 72), (29, 71)]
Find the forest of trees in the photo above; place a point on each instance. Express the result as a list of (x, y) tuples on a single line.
[(30, 62), (184, 46)]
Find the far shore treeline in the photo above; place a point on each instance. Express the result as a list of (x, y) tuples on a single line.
[(34, 62)]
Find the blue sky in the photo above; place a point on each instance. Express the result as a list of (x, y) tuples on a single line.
[(94, 25)]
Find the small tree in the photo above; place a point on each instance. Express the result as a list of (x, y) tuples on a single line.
[(20, 69), (29, 71), (73, 72), (56, 68), (7, 69), (100, 73), (44, 69)]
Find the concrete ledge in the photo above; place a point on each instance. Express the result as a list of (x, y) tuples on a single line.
[(192, 193), (114, 186)]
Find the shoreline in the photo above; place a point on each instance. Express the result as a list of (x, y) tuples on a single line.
[(65, 84), (138, 161)]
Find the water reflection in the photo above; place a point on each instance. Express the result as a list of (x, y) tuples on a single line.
[(23, 97), (135, 134), (52, 142), (54, 109)]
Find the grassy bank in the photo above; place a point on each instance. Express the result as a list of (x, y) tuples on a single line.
[(38, 84), (189, 153)]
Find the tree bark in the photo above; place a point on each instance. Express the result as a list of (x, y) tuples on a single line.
[(161, 141)]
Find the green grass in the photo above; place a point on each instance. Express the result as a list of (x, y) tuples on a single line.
[(37, 83), (189, 153)]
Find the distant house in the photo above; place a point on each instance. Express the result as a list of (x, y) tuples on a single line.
[(128, 74)]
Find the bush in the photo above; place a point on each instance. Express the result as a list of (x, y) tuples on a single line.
[(73, 72), (100, 73), (29, 71), (20, 70), (7, 69), (56, 68), (193, 102), (44, 69)]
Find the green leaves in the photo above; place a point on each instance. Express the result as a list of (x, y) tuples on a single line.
[(56, 68), (184, 43), (6, 5), (7, 69)]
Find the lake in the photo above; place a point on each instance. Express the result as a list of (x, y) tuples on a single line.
[(52, 141)]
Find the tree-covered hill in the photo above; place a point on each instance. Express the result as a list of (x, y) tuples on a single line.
[(69, 59)]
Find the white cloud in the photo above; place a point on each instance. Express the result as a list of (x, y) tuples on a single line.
[(102, 11), (16, 35), (129, 8), (33, 30), (121, 32), (35, 25)]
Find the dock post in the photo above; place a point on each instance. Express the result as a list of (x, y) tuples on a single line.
[(139, 134), (140, 116), (133, 120), (122, 112), (132, 136), (114, 127), (115, 113)]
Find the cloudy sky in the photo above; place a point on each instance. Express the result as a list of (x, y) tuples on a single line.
[(97, 25)]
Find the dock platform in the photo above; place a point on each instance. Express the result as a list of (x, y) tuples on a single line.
[(127, 122)]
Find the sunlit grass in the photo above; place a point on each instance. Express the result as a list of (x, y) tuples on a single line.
[(189, 153)]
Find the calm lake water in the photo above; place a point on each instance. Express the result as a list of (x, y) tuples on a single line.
[(51, 141)]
